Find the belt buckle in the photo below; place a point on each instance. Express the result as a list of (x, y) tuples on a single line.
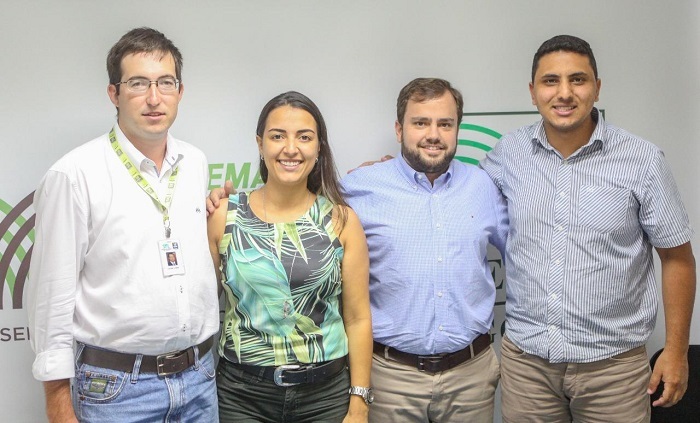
[(435, 358), (278, 374), (161, 359)]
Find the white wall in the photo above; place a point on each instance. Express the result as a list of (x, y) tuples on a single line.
[(351, 57)]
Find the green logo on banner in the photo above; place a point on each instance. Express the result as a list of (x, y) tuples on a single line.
[(467, 139), (17, 232), (241, 174)]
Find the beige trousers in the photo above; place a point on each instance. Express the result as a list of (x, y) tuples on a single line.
[(465, 393), (610, 391)]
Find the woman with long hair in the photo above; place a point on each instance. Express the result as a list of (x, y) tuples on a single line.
[(297, 332)]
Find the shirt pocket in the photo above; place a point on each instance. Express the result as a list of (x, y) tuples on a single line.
[(603, 209)]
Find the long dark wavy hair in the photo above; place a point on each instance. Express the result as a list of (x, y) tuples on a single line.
[(323, 179)]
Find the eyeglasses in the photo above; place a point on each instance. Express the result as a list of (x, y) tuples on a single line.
[(165, 84)]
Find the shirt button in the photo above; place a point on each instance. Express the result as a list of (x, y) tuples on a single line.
[(553, 296), (562, 194), (184, 327), (438, 226), (560, 228), (440, 294), (565, 162), (439, 259), (435, 196), (557, 261), (552, 328), (440, 327)]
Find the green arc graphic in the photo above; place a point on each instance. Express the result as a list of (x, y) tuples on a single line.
[(467, 160), (476, 144), (484, 130)]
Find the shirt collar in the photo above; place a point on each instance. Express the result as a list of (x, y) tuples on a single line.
[(420, 178), (597, 140), (172, 157)]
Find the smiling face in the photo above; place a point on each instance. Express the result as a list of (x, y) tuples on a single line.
[(145, 118), (428, 134), (289, 145), (564, 90)]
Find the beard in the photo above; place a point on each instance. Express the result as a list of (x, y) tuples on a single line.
[(425, 165)]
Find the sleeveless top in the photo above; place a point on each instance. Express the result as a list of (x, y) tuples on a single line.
[(283, 287)]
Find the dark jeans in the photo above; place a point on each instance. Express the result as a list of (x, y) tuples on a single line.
[(247, 398)]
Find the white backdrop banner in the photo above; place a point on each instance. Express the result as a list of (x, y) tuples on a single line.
[(351, 58)]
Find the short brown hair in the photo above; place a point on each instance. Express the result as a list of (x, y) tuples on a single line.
[(140, 40), (421, 89)]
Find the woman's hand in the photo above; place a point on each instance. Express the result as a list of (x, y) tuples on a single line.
[(358, 411)]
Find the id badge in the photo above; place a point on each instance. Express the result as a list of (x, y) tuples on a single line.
[(171, 258)]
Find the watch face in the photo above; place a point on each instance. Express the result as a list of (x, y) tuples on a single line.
[(370, 396)]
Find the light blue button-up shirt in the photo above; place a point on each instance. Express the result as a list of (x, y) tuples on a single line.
[(431, 287)]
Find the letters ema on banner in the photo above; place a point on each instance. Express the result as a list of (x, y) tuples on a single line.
[(240, 174)]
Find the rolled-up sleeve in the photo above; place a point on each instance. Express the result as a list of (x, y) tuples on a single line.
[(61, 240)]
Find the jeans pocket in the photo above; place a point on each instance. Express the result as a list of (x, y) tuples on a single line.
[(96, 384), (206, 365), (228, 372)]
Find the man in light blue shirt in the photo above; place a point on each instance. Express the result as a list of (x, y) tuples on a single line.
[(428, 220), (588, 203)]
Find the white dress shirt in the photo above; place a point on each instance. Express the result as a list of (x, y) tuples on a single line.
[(96, 273)]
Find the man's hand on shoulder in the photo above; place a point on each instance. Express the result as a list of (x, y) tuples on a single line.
[(216, 194), (371, 162)]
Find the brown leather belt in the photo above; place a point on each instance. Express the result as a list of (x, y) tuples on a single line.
[(295, 374), (437, 362), (164, 364)]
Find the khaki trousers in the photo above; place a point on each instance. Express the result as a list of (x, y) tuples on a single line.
[(462, 394), (610, 391)]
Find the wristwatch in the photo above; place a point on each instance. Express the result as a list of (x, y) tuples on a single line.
[(365, 393)]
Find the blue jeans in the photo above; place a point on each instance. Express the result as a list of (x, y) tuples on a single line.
[(105, 395)]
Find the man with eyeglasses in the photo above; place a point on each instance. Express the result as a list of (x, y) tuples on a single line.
[(105, 308)]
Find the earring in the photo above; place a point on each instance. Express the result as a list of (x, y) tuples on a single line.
[(262, 159), (317, 159)]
